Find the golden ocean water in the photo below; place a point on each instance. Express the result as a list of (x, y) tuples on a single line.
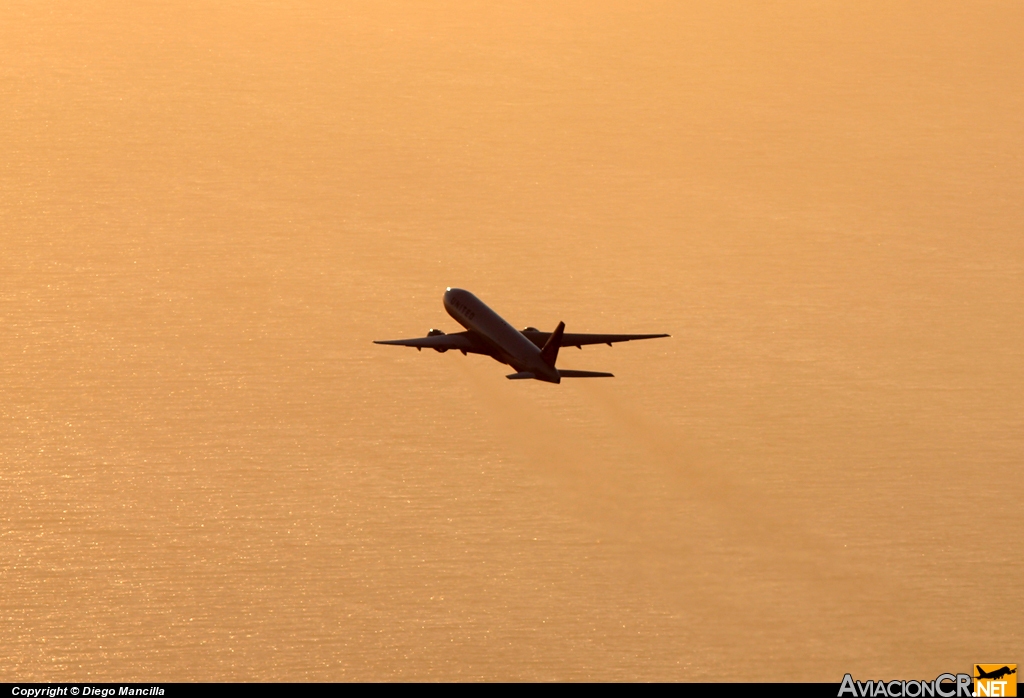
[(209, 210)]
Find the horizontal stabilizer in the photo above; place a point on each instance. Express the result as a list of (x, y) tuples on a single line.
[(584, 374), (522, 375)]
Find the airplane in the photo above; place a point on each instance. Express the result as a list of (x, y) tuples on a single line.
[(530, 352), (997, 674)]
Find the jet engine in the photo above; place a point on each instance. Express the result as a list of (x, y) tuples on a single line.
[(433, 333)]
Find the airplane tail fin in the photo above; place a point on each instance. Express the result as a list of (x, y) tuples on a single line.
[(584, 374), (550, 351)]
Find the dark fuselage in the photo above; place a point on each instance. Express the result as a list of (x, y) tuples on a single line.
[(509, 345)]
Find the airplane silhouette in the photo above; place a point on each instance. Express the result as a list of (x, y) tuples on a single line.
[(995, 674), (530, 352)]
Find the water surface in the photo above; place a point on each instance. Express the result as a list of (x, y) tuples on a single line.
[(208, 472)]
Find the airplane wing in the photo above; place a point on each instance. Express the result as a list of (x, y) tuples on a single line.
[(466, 342), (570, 339)]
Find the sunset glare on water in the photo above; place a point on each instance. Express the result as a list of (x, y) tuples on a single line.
[(209, 211)]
